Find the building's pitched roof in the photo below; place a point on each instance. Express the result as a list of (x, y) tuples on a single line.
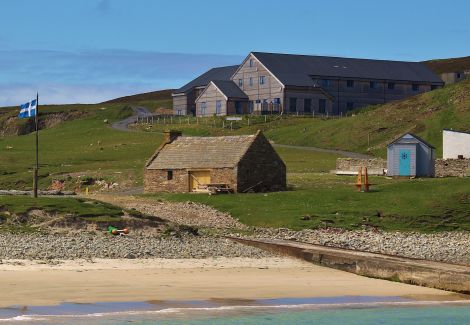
[(297, 70), (409, 137), (202, 152), (221, 73), (229, 89)]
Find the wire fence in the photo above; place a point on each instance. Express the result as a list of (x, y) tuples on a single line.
[(225, 121)]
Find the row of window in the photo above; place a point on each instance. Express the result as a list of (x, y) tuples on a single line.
[(372, 84), (307, 105), (262, 81)]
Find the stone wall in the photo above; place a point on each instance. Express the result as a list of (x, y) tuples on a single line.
[(156, 180), (376, 165), (452, 167), (261, 169)]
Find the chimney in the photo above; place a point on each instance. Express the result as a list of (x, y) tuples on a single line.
[(171, 135)]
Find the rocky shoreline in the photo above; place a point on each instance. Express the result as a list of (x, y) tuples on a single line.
[(450, 247), (39, 246)]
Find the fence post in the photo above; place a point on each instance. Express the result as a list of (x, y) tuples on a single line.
[(248, 121), (223, 124), (171, 119), (188, 120), (265, 119), (231, 126)]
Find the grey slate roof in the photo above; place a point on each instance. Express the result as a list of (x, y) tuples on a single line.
[(296, 70), (202, 152), (221, 73), (408, 138), (229, 89)]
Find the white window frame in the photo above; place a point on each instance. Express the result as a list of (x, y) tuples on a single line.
[(203, 108), (262, 80), (218, 107)]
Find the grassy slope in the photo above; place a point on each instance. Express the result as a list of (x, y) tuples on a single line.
[(449, 65), (87, 146), (409, 205), (426, 115)]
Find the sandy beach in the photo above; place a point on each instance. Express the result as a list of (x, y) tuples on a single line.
[(26, 282)]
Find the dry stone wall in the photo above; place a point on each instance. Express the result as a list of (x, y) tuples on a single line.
[(353, 164), (452, 167)]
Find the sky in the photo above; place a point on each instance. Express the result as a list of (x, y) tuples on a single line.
[(88, 51)]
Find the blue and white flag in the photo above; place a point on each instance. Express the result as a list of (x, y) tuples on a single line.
[(29, 109)]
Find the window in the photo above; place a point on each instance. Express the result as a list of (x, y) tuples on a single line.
[(240, 83), (169, 175), (264, 106), (349, 106), (373, 85), (459, 75), (218, 107), (415, 87), (277, 101), (326, 82), (238, 108), (203, 108), (251, 63), (434, 87), (350, 83), (322, 106), (391, 85), (251, 81), (307, 105), (250, 107), (261, 80), (179, 112), (292, 104)]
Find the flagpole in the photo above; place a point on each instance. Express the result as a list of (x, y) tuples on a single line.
[(36, 168)]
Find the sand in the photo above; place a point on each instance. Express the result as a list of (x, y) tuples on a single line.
[(37, 283)]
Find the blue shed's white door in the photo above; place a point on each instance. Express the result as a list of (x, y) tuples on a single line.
[(405, 162)]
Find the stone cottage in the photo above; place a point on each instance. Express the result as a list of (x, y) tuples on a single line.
[(189, 164)]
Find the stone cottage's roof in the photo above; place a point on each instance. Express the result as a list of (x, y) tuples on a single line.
[(202, 152)]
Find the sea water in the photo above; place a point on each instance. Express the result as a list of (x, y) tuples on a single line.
[(318, 311)]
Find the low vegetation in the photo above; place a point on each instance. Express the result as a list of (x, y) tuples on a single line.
[(321, 200)]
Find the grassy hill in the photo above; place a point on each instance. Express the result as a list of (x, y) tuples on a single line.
[(449, 65), (85, 147), (156, 100), (425, 115)]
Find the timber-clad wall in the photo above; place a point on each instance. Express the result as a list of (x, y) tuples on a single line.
[(210, 96), (269, 90)]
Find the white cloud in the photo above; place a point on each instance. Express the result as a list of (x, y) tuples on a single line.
[(92, 76)]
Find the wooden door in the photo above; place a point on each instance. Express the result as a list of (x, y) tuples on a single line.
[(199, 178)]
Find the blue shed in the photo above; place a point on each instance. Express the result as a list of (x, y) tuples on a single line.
[(409, 155)]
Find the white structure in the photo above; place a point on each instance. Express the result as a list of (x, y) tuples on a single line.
[(455, 144)]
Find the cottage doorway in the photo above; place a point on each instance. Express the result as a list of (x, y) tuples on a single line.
[(198, 180)]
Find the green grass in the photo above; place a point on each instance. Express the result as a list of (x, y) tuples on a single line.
[(87, 210), (75, 206), (88, 147), (425, 205), (425, 115)]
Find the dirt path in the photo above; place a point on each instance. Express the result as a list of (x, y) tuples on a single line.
[(123, 125), (185, 213)]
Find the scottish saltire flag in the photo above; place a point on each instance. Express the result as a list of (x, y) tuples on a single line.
[(29, 109)]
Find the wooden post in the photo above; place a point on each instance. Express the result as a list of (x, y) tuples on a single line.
[(171, 119), (265, 119), (36, 168), (231, 126), (188, 120)]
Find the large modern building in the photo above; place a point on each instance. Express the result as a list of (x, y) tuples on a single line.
[(301, 84)]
